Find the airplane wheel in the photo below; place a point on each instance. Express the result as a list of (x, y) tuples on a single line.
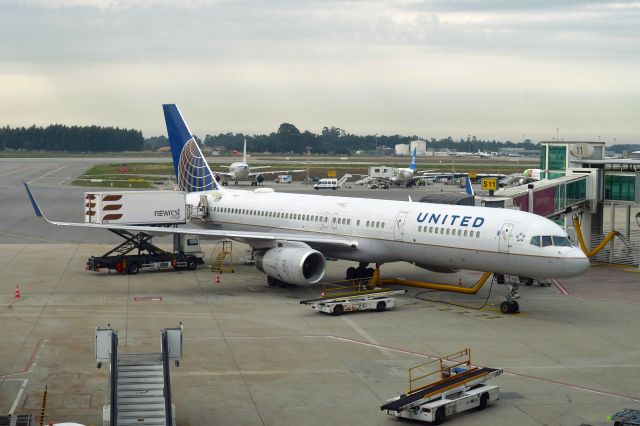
[(509, 307), (369, 272), (338, 310), (351, 273), (271, 281)]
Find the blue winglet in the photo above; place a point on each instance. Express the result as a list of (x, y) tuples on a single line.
[(34, 203)]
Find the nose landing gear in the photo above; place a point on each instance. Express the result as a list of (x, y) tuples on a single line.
[(510, 306)]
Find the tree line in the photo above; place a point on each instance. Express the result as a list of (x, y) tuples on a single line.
[(333, 140), (59, 137), (287, 139)]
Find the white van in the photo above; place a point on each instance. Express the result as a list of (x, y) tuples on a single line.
[(330, 183)]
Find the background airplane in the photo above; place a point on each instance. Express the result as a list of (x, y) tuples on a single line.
[(407, 175), (241, 171)]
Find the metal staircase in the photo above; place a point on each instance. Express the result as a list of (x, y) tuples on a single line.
[(221, 252), (139, 383), (140, 392)]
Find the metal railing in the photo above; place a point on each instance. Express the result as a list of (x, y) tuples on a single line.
[(113, 382), (444, 365), (622, 251), (167, 379)]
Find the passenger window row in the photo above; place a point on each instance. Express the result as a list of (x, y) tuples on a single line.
[(297, 216), (449, 231), (283, 215)]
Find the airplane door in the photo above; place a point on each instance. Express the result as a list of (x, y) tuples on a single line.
[(398, 229), (325, 221), (504, 242), (334, 221)]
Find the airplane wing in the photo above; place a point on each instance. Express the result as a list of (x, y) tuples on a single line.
[(272, 172), (253, 238), (260, 167)]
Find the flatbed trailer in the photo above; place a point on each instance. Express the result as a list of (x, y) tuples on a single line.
[(137, 253), (134, 263), (378, 301), (461, 387)]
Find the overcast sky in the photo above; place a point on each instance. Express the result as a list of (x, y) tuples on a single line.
[(434, 68)]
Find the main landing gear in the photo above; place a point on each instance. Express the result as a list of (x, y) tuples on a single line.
[(362, 271), (510, 306)]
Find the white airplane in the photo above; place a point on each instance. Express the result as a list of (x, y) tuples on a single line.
[(240, 171), (407, 175), (478, 154), (292, 234)]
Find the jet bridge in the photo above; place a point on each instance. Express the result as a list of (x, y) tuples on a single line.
[(552, 198), (139, 383)]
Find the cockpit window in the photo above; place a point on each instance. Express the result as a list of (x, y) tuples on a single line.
[(561, 241), (546, 241), (535, 240)]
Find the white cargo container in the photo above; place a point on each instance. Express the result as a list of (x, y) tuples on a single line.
[(135, 207)]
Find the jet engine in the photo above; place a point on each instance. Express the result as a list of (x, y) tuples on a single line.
[(259, 178), (293, 265), (439, 269)]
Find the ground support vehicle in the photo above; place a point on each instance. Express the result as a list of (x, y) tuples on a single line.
[(379, 183), (461, 387), (148, 256), (375, 301), (626, 417)]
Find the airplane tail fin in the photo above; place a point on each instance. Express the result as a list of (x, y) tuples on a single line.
[(244, 152), (192, 171), (412, 166), (469, 188)]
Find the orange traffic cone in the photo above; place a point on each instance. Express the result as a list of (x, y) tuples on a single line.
[(217, 277), (17, 292)]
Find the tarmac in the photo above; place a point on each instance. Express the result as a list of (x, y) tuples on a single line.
[(254, 356)]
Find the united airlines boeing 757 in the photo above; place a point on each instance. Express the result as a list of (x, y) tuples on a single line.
[(292, 234)]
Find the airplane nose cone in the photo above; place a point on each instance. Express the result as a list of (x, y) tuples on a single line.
[(576, 263)]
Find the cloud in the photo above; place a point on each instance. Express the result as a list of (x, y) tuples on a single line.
[(394, 65)]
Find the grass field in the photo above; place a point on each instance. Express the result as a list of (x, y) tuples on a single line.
[(142, 175)]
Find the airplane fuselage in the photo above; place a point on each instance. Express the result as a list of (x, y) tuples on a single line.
[(435, 235), (402, 176), (239, 171)]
